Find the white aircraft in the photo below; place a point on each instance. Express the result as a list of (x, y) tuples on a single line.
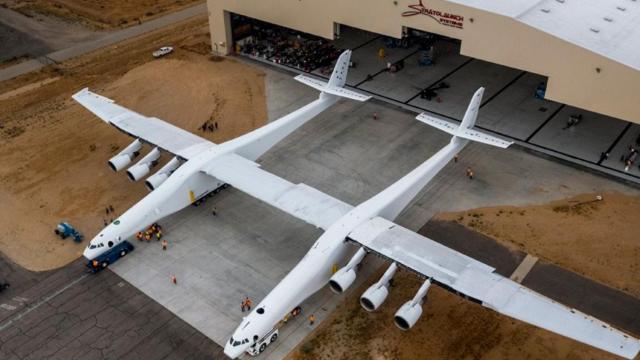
[(207, 166), (369, 225), (184, 179)]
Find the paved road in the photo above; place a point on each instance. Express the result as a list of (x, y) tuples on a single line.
[(105, 40), (610, 305), (67, 314)]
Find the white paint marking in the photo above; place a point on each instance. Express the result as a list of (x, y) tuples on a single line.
[(523, 269), (37, 305)]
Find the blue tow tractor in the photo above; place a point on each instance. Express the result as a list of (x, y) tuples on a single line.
[(111, 256), (64, 230)]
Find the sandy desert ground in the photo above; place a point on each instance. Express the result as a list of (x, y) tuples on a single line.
[(600, 236), (53, 152), (102, 14), (597, 239)]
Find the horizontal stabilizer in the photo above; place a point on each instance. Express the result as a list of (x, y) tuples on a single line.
[(325, 88), (470, 134)]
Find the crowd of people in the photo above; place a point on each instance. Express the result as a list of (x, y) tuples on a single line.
[(287, 47)]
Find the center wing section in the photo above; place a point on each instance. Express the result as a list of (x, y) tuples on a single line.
[(151, 130), (478, 282), (298, 200)]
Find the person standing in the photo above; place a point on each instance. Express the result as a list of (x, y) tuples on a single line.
[(470, 173), (164, 244), (312, 319)]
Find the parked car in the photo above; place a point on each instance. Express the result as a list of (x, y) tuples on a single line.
[(165, 50)]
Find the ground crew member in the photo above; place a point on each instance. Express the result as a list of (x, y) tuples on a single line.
[(164, 244), (174, 280), (375, 116), (312, 319), (244, 304), (139, 236), (381, 53), (455, 158), (147, 236), (248, 303), (470, 173), (159, 234), (94, 263)]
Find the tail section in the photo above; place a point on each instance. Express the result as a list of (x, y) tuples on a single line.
[(469, 119), (465, 129), (335, 86), (339, 75)]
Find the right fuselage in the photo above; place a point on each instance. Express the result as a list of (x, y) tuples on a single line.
[(331, 251)]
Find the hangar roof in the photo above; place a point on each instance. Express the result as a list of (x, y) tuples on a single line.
[(610, 28)]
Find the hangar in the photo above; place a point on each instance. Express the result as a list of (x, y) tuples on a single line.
[(585, 52)]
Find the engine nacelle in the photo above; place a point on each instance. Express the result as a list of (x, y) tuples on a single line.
[(377, 293), (410, 312), (125, 156), (408, 315), (374, 297), (162, 175), (142, 167), (344, 277), (156, 180), (341, 280)]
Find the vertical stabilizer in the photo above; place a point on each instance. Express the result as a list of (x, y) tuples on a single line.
[(471, 115), (339, 75)]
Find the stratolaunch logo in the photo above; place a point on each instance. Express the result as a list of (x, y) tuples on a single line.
[(443, 18)]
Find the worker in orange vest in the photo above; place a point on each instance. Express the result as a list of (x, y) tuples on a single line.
[(94, 263), (312, 319), (139, 236)]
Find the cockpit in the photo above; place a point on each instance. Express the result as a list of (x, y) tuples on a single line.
[(234, 342), (95, 246)]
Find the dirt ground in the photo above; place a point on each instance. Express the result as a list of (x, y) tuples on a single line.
[(53, 152), (101, 14), (595, 238)]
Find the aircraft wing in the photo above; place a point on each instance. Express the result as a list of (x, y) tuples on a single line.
[(478, 282), (298, 200), (148, 129)]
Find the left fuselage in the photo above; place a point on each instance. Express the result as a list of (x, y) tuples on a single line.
[(182, 188)]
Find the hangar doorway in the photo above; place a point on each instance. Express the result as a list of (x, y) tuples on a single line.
[(426, 72)]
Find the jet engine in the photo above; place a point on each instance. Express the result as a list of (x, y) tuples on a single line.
[(344, 277), (163, 174), (410, 312), (142, 167), (377, 293), (125, 156)]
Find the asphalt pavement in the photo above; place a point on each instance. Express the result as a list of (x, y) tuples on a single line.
[(71, 314)]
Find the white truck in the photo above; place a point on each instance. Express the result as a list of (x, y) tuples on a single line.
[(165, 50)]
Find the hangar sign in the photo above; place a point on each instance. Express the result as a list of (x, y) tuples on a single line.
[(437, 15)]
